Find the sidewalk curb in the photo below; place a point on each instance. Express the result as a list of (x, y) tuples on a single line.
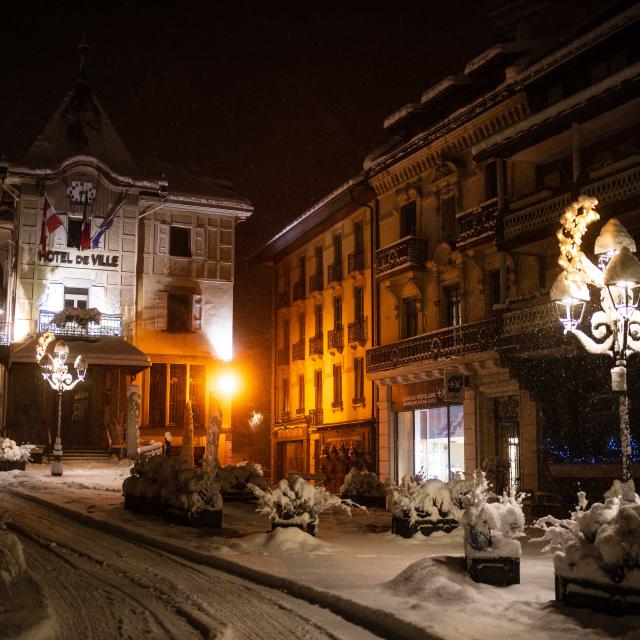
[(383, 623)]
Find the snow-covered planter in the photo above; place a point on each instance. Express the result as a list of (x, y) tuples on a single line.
[(491, 530), (293, 502), (234, 480), (81, 317), (14, 456), (597, 552), (364, 488), (424, 505), (12, 563), (174, 489)]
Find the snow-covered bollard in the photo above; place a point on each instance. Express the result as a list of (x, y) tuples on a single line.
[(12, 564), (491, 549), (597, 552)]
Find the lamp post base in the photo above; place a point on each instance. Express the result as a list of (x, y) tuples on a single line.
[(56, 463)]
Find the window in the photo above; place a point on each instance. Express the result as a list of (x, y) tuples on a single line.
[(284, 406), (337, 386), (494, 293), (301, 326), (358, 299), (319, 261), (301, 393), (286, 334), (337, 250), (453, 310), (177, 393), (302, 268), (158, 395), (74, 232), (358, 373), (197, 374), (410, 317), (179, 312), (490, 180), (358, 237), (318, 319), (448, 218), (76, 297), (337, 312), (317, 386), (555, 174), (408, 219), (171, 385), (180, 242)]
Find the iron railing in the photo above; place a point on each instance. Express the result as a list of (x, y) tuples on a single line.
[(315, 417), (109, 325), (297, 350), (316, 282), (283, 356), (299, 292), (316, 345), (406, 253), (355, 262), (334, 272), (477, 223), (358, 332), (335, 338)]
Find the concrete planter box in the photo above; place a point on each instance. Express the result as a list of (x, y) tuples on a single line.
[(614, 599), (12, 465), (402, 527), (310, 527), (202, 519), (499, 572)]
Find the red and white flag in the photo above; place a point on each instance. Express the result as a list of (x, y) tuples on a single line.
[(50, 222)]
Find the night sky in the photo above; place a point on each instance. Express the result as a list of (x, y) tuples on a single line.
[(283, 99)]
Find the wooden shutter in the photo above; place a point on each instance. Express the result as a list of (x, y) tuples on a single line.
[(163, 239), (196, 312), (55, 296), (162, 299), (198, 249), (96, 298)]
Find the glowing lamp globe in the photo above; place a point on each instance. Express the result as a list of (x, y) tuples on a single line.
[(622, 279), (570, 297)]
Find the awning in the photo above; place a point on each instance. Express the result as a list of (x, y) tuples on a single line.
[(107, 351)]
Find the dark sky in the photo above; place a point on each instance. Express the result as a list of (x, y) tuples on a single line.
[(282, 98)]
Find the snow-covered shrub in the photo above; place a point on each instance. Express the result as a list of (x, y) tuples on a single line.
[(295, 501), (13, 452), (237, 477), (173, 482), (601, 543), (491, 528), (362, 483), (416, 498), (12, 564)]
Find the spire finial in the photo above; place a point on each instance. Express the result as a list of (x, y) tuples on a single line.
[(84, 47)]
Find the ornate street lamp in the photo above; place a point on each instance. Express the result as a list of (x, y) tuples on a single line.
[(56, 373), (616, 325)]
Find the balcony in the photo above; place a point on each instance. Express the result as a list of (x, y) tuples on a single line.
[(297, 350), (315, 417), (299, 291), (335, 339), (316, 282), (282, 299), (544, 216), (334, 272), (316, 347), (355, 262), (283, 356), (5, 334), (408, 253), (358, 332), (477, 224), (452, 341), (74, 323)]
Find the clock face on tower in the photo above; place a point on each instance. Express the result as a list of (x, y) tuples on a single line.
[(80, 192)]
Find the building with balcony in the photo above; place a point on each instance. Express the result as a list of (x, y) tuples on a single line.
[(324, 406), (137, 276)]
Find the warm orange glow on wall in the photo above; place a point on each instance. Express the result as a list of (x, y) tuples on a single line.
[(227, 383)]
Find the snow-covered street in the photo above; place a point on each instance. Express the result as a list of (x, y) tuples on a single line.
[(172, 586)]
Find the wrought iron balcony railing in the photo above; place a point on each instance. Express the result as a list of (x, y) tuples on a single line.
[(477, 223), (283, 356), (334, 272), (358, 332), (316, 282), (297, 350), (282, 299), (299, 291), (315, 417), (109, 325), (531, 319), (453, 341), (407, 253), (335, 339), (355, 262), (316, 345), (5, 334)]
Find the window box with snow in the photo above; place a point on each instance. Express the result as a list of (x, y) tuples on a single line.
[(597, 552), (425, 505), (491, 549)]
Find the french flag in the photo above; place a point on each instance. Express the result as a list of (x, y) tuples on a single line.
[(50, 222)]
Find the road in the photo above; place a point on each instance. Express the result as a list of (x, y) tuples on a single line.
[(95, 585)]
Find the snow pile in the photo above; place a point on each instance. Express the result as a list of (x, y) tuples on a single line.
[(601, 543), (295, 501), (12, 564), (291, 540), (237, 477), (13, 452), (175, 483), (416, 498), (491, 528), (362, 483)]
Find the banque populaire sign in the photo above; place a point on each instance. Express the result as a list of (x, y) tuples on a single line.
[(79, 259), (417, 395)]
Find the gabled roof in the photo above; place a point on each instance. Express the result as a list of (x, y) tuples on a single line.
[(80, 126)]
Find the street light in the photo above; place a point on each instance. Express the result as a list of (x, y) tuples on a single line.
[(616, 325), (56, 373)]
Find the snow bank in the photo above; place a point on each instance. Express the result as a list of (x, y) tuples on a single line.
[(12, 564)]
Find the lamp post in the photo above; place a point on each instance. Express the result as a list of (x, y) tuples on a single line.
[(56, 373), (615, 327)]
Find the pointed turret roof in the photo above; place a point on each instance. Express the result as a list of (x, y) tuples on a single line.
[(80, 126)]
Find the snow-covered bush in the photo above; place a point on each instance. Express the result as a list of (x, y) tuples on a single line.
[(295, 501), (12, 564), (362, 483), (237, 477), (491, 528), (601, 543), (175, 483), (13, 452)]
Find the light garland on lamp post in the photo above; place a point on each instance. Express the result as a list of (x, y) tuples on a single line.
[(616, 326), (56, 373)]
